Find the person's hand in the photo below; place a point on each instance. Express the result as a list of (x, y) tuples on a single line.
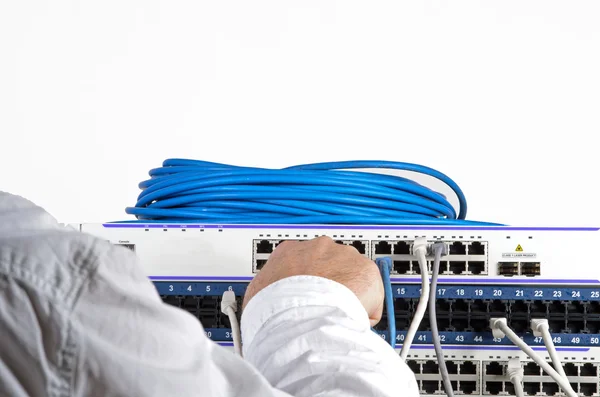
[(322, 257)]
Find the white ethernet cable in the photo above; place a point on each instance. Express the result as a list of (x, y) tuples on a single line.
[(541, 329), (500, 329), (515, 374), (229, 307), (420, 250)]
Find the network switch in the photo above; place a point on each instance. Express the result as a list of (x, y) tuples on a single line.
[(519, 274)]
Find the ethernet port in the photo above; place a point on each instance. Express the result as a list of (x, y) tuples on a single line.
[(537, 309), (588, 369), (264, 247), (401, 267), (360, 247), (260, 263), (593, 307), (532, 368), (425, 325), (519, 325), (570, 369), (459, 324), (476, 248), (458, 248), (556, 307), (457, 267), (383, 248), (452, 367), (531, 388), (508, 269), (550, 389), (497, 306), (468, 387), (478, 306), (575, 327), (431, 386), (171, 300), (476, 267), (442, 306), (518, 307), (575, 307), (592, 326), (556, 326), (509, 388), (431, 367), (460, 306), (402, 248), (588, 389), (530, 269), (493, 388), (479, 324), (443, 324), (414, 366), (190, 303), (401, 305), (494, 368), (468, 368)]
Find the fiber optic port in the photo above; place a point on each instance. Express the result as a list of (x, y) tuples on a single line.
[(493, 388), (588, 389), (383, 248), (476, 248), (476, 267), (264, 247), (530, 269), (468, 368), (550, 389), (494, 368), (468, 387), (508, 269), (402, 248), (360, 247), (458, 248), (401, 267)]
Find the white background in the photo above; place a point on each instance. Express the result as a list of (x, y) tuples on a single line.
[(504, 97)]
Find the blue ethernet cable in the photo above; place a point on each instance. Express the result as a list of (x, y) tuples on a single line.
[(345, 192), (385, 268)]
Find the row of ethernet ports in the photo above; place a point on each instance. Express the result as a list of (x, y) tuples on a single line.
[(385, 247), (207, 309)]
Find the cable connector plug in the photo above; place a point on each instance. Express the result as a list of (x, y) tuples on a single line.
[(538, 325), (385, 264), (496, 324), (515, 370), (439, 246), (228, 301), (420, 245)]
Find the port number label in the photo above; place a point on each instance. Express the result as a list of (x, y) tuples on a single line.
[(556, 294), (230, 288), (208, 288), (423, 338), (595, 294), (171, 288), (538, 293), (478, 339), (479, 292), (497, 340), (442, 338), (497, 292), (189, 288), (576, 340), (208, 333), (538, 339), (594, 341), (460, 292), (441, 291), (576, 294), (557, 339), (401, 291), (519, 292), (400, 338), (460, 338)]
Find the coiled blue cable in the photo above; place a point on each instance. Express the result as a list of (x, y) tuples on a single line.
[(192, 191), (385, 268)]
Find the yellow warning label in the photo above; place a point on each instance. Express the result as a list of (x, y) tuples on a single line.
[(519, 248)]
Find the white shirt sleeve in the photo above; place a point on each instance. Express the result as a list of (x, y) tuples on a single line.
[(311, 336)]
